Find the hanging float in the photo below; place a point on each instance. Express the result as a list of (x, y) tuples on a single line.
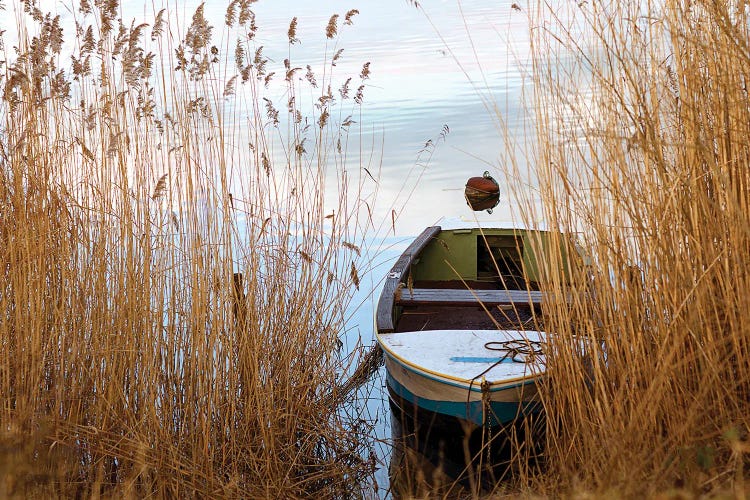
[(482, 193)]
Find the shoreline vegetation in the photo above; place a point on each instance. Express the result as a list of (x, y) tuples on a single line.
[(172, 295), (643, 126)]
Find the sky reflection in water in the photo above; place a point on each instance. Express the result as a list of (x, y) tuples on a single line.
[(426, 72)]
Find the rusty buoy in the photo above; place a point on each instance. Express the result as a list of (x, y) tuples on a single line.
[(482, 193)]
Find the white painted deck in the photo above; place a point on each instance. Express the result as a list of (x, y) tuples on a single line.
[(461, 354)]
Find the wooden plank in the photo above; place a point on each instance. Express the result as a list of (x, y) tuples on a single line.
[(396, 276), (441, 296)]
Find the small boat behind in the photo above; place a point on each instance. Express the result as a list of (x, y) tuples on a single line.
[(459, 322)]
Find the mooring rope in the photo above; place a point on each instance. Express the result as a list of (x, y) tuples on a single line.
[(529, 349)]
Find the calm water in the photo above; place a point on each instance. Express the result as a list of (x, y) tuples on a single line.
[(450, 69), (450, 65)]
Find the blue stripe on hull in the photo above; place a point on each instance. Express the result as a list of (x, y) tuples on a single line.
[(500, 412), (475, 359)]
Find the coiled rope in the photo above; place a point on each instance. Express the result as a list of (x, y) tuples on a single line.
[(520, 351)]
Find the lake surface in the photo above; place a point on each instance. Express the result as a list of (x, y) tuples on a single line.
[(449, 72)]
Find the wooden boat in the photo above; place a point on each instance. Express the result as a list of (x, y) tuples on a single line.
[(458, 321)]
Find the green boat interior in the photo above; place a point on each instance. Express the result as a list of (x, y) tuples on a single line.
[(468, 278)]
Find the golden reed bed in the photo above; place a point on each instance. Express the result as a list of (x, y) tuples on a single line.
[(135, 362)]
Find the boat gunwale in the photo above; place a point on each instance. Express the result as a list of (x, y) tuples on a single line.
[(384, 313)]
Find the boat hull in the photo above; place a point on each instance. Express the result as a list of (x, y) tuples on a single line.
[(476, 401)]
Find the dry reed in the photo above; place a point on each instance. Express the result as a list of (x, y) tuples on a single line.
[(643, 127), (173, 288)]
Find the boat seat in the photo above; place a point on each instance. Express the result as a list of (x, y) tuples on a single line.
[(449, 297)]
